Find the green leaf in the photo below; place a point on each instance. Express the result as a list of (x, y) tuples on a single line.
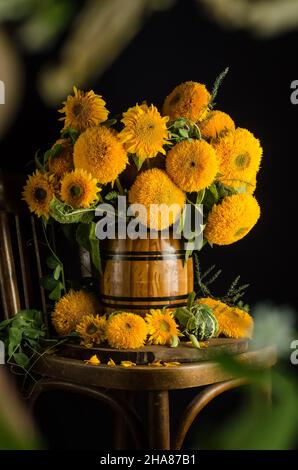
[(180, 122), (57, 272), (214, 192), (94, 248), (182, 315), (4, 324), (32, 333), (109, 122), (71, 133), (56, 150), (196, 133), (224, 190), (183, 133), (138, 162), (200, 196), (15, 335), (65, 214), (216, 86), (28, 314), (191, 299), (82, 236), (37, 161), (21, 322), (46, 157), (111, 196), (38, 318), (48, 282), (56, 293), (21, 359), (52, 262), (33, 343)]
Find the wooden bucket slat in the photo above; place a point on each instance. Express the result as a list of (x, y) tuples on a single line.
[(140, 275)]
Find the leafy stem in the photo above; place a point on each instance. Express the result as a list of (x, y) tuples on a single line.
[(60, 264)]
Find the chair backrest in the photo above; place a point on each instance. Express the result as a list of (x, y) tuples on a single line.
[(20, 260)]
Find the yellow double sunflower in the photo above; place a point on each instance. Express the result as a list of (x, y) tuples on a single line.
[(71, 309), (152, 189), (192, 165), (145, 132), (126, 331), (239, 154), (232, 321), (216, 125), (232, 219), (83, 110), (99, 151), (62, 163), (79, 189), (189, 100), (38, 193)]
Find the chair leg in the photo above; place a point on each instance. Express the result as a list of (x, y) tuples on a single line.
[(198, 404), (159, 420)]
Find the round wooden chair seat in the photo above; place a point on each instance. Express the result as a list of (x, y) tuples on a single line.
[(146, 377)]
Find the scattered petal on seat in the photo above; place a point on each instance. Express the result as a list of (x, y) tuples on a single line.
[(155, 364), (93, 361), (111, 363), (127, 364)]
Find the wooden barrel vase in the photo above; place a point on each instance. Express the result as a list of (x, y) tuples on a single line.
[(139, 275)]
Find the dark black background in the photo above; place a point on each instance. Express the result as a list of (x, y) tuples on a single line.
[(182, 44), (174, 46)]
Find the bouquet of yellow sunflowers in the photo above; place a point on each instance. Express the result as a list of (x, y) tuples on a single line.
[(187, 152)]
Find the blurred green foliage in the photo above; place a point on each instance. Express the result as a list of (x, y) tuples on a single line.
[(9, 440), (40, 22)]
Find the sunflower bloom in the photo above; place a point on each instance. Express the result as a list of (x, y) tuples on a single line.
[(99, 151), (155, 187), (79, 189), (92, 330), (38, 193), (162, 327), (232, 321), (216, 125), (192, 165), (239, 154), (70, 310), (232, 219), (63, 162), (126, 331), (145, 131), (189, 100), (83, 110)]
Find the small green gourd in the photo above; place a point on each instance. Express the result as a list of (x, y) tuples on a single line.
[(197, 321)]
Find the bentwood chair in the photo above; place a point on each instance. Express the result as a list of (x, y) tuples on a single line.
[(116, 387)]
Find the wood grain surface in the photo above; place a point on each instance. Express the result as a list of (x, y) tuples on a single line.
[(139, 275)]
